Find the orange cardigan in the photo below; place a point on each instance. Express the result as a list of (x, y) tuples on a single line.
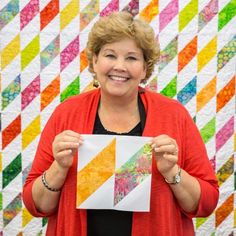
[(164, 116)]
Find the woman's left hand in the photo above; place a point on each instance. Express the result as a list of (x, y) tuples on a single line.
[(166, 153)]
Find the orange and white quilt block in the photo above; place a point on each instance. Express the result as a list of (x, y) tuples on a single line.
[(114, 172)]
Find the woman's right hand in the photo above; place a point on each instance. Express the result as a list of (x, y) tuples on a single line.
[(64, 147)]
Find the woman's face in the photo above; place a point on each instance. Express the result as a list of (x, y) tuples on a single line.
[(120, 67)]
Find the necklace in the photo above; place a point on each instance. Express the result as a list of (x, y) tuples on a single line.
[(113, 121)]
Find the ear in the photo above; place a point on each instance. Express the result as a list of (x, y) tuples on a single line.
[(95, 59)]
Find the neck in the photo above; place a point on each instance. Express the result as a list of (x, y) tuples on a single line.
[(123, 105), (119, 115)]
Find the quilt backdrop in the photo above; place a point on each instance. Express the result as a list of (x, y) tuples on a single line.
[(43, 61)]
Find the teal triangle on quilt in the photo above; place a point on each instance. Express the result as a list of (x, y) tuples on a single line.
[(8, 13), (11, 92), (188, 92)]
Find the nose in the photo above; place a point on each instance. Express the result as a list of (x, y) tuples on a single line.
[(119, 65)]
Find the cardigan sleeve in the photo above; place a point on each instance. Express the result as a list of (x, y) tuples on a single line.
[(42, 161), (197, 164), (72, 114)]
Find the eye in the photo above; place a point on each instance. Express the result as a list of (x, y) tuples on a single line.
[(131, 58), (110, 56)]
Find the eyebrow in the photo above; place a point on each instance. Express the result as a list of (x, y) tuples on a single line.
[(135, 52)]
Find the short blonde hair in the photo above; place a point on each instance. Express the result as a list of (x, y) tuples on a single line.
[(117, 26)]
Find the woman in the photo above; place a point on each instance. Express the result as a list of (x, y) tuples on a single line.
[(122, 53)]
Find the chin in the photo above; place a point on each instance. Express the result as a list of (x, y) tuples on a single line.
[(117, 94)]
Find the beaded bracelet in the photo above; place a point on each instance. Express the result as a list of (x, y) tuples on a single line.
[(45, 183)]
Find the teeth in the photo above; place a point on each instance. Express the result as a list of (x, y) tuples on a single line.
[(118, 78)]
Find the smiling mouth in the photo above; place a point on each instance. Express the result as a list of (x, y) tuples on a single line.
[(118, 78)]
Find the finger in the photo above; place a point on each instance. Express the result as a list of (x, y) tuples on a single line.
[(163, 142), (163, 139), (68, 138), (162, 136), (68, 133), (158, 141), (171, 148), (166, 156), (71, 133), (66, 152), (59, 146)]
